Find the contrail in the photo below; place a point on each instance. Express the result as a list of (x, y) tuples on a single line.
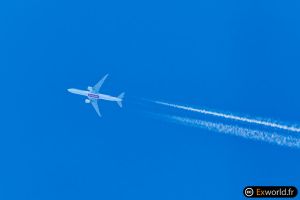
[(233, 117), (269, 137)]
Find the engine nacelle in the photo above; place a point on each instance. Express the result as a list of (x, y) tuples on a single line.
[(87, 101), (90, 88)]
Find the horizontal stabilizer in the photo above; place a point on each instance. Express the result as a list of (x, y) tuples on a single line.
[(120, 97)]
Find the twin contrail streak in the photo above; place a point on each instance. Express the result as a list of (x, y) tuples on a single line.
[(233, 117), (237, 131)]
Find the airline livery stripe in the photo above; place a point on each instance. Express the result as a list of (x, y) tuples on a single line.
[(94, 96)]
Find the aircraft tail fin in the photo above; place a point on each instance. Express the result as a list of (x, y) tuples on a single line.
[(121, 96)]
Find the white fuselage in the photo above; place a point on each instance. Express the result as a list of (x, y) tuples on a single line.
[(94, 96)]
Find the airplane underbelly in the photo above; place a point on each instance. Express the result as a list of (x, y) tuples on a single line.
[(79, 92), (107, 97)]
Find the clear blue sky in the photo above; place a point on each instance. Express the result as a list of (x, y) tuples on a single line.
[(237, 56)]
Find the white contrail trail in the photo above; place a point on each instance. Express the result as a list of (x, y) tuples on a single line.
[(232, 117), (237, 131)]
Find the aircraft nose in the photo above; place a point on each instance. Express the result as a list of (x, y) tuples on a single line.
[(69, 90)]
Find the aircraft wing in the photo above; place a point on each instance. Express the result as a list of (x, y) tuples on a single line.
[(97, 87), (96, 107)]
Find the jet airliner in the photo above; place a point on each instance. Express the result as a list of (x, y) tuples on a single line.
[(93, 95)]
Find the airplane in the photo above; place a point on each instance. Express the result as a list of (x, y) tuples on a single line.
[(93, 95)]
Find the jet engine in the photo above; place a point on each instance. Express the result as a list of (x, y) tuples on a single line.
[(87, 101), (90, 88)]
